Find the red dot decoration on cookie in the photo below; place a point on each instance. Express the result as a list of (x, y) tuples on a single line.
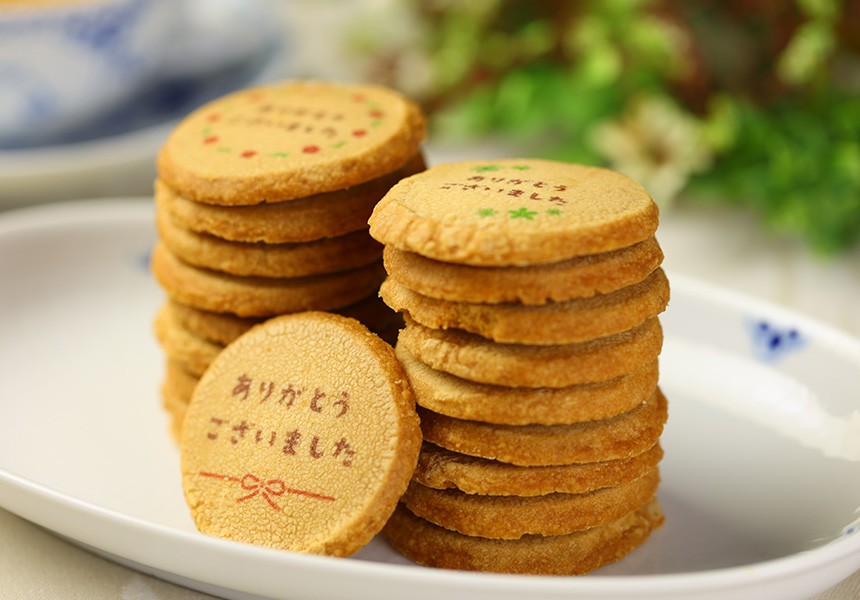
[(294, 122)]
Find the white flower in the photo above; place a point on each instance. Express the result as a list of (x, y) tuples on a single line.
[(655, 143)]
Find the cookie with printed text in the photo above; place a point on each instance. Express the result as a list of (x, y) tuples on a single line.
[(287, 140), (566, 322), (513, 212), (302, 435), (573, 554), (305, 219), (578, 277)]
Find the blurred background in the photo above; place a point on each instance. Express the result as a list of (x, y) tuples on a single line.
[(741, 117)]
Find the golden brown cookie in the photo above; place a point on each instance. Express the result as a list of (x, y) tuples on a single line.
[(301, 436), (511, 517), (513, 212), (456, 397), (301, 220), (288, 140), (574, 554), (567, 322), (628, 434), (553, 282), (176, 391), (472, 357), (219, 328), (184, 349), (261, 296), (442, 469), (327, 255)]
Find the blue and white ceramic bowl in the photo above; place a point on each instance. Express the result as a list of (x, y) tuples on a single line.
[(62, 64)]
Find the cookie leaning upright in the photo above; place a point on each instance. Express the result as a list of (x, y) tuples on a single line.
[(531, 291), (302, 435)]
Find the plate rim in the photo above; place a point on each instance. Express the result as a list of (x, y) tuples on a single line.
[(138, 210)]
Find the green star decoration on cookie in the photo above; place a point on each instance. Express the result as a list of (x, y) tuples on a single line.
[(485, 168), (554, 212), (487, 212), (522, 213)]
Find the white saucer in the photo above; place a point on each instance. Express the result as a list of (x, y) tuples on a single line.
[(761, 476), (234, 44)]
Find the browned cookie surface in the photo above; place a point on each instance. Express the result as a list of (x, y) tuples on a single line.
[(537, 284), (513, 212), (286, 140), (567, 322), (478, 359), (574, 554)]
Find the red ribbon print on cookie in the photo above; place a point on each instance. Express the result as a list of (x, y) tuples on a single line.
[(267, 489)]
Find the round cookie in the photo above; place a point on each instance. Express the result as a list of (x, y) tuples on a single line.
[(302, 436), (261, 296), (288, 140), (452, 396), (567, 322), (442, 469), (574, 554), (328, 255), (301, 220), (219, 328), (193, 354), (511, 517), (472, 357), (538, 284), (626, 435), (513, 212)]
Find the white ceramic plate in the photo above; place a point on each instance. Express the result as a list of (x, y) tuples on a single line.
[(233, 44), (761, 479)]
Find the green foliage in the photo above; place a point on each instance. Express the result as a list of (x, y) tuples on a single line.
[(797, 165)]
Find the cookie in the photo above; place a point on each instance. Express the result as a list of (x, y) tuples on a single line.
[(511, 517), (184, 349), (567, 322), (513, 212), (261, 296), (327, 255), (628, 434), (455, 397), (442, 469), (301, 220), (176, 391), (472, 357), (219, 328), (538, 284), (302, 435), (287, 140), (574, 554)]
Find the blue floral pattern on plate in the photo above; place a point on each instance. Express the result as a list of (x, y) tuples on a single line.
[(772, 342)]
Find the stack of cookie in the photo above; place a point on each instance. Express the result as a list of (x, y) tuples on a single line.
[(531, 292), (262, 203)]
